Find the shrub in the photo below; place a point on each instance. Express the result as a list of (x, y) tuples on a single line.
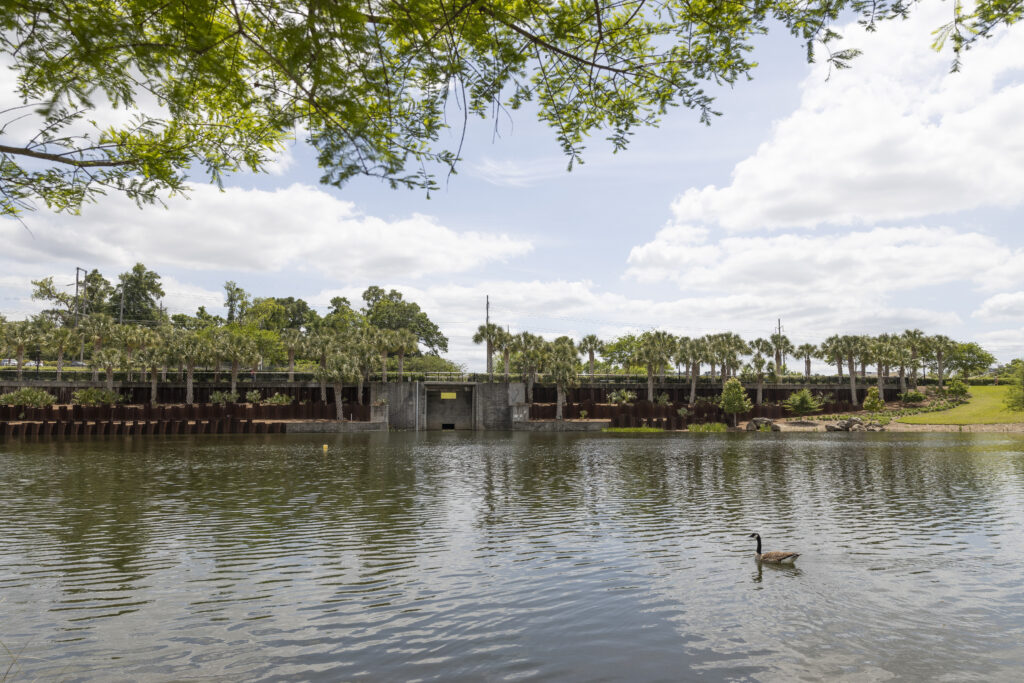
[(622, 396), (277, 399), (223, 397), (873, 402), (709, 427), (94, 396), (957, 389), (28, 397), (912, 396), (253, 396), (583, 414), (802, 403), (662, 399), (683, 412), (1015, 392)]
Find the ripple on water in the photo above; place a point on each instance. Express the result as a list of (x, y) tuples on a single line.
[(406, 556)]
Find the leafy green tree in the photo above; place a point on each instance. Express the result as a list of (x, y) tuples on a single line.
[(734, 399), (1015, 391), (236, 300), (239, 349), (389, 311), (802, 403), (265, 314), (135, 298), (370, 84), (969, 359)]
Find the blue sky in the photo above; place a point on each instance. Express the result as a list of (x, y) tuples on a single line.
[(869, 200)]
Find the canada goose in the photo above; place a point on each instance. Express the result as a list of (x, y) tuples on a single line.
[(774, 555)]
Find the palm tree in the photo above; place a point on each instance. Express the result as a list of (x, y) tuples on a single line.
[(698, 353), (363, 352), (830, 353), (191, 350), (130, 338), (319, 345), (532, 351), (781, 347), (405, 342), (590, 345), (653, 354), (59, 340), (941, 348), (807, 352), (731, 349), (761, 348), (850, 346), (882, 352), (19, 336), (338, 370), (107, 359), (239, 350), (292, 340), (381, 340), (97, 329), (150, 359), (505, 342), (562, 368), (916, 343), (488, 334)]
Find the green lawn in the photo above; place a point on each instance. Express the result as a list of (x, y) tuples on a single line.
[(985, 407)]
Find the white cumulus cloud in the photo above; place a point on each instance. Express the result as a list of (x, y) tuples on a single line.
[(897, 136)]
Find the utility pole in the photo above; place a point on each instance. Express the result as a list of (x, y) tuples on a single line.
[(78, 305), (487, 329)]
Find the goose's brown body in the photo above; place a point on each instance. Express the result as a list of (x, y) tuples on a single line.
[(772, 555)]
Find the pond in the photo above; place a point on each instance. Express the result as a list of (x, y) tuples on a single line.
[(461, 556)]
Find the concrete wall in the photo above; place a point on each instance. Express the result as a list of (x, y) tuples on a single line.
[(563, 426), (457, 411), (324, 427), (494, 404)]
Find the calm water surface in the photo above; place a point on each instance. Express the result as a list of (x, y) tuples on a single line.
[(513, 556)]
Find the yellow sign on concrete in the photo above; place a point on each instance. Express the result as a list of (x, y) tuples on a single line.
[(448, 395)]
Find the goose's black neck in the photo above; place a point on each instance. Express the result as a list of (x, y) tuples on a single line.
[(758, 544)]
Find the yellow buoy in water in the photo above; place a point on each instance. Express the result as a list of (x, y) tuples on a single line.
[(325, 448)]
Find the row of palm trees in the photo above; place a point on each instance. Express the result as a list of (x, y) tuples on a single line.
[(342, 355), (726, 355)]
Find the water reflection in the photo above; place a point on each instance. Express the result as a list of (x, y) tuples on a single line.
[(513, 555)]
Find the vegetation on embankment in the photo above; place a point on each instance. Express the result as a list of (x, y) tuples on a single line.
[(986, 406), (633, 430)]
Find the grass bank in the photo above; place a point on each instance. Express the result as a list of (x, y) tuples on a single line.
[(985, 407), (633, 430)]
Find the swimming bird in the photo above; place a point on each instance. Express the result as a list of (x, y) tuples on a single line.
[(773, 555)]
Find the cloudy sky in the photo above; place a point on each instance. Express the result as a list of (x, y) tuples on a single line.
[(868, 200)]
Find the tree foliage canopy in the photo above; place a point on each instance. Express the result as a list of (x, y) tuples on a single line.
[(208, 87)]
